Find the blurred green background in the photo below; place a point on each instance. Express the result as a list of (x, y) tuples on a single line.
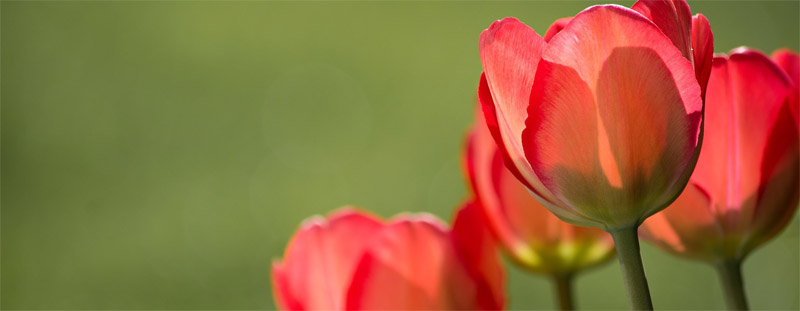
[(160, 155)]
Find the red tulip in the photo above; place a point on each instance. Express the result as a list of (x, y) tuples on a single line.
[(534, 237), (354, 261), (603, 121), (745, 187)]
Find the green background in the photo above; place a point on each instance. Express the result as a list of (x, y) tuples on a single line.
[(160, 155)]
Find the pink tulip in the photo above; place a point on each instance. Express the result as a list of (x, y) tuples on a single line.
[(744, 189), (603, 121), (354, 261), (535, 238)]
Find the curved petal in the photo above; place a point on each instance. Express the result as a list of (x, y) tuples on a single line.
[(779, 192), (779, 187), (320, 260), (510, 52), (568, 102), (674, 18), (492, 125), (702, 49), (789, 61), (556, 27), (412, 265), (614, 117), (690, 34), (477, 248)]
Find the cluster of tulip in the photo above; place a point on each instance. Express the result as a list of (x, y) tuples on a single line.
[(581, 141)]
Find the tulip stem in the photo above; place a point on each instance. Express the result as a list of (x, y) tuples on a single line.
[(730, 273), (564, 291), (630, 262)]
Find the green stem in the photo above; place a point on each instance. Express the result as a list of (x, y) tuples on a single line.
[(730, 273), (564, 291), (630, 262)]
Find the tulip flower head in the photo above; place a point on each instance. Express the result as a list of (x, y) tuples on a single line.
[(601, 119), (354, 261), (746, 184)]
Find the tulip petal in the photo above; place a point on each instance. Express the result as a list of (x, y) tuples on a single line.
[(477, 248), (320, 260), (411, 265), (556, 27), (745, 94), (614, 117), (702, 49), (673, 17), (493, 126), (282, 289), (551, 110), (690, 34), (510, 52), (789, 61), (652, 138), (779, 190)]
